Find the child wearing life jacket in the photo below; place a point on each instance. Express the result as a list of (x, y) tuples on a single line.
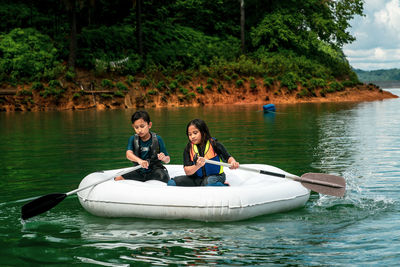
[(147, 149), (202, 146)]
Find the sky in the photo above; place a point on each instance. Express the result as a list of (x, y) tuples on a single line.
[(377, 44)]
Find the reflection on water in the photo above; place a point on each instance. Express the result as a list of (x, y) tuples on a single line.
[(51, 152)]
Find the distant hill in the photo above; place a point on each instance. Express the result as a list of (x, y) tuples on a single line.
[(384, 78), (378, 75)]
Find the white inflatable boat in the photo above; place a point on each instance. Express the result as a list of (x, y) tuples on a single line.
[(249, 195)]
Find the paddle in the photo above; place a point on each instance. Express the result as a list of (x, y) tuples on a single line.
[(45, 203), (326, 184)]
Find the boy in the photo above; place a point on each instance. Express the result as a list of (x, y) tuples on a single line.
[(147, 149)]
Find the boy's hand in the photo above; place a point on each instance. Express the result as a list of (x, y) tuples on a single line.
[(144, 164), (163, 158)]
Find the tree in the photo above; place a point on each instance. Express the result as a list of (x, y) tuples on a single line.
[(139, 32), (242, 23), (302, 25), (71, 6)]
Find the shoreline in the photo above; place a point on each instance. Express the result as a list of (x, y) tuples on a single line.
[(137, 97)]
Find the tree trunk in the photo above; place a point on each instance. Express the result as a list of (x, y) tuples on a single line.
[(139, 34), (72, 40), (242, 23)]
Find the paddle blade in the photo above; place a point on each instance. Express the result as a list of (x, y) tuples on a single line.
[(326, 184), (40, 205)]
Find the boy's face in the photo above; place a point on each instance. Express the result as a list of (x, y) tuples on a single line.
[(142, 128)]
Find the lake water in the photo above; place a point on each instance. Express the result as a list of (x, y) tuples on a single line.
[(49, 152)]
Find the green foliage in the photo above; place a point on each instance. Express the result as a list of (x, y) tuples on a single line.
[(280, 29), (106, 83), (200, 89), (130, 79), (37, 86), (106, 44), (253, 84), (316, 83), (160, 85), (210, 81), (152, 92), (119, 94), (239, 83), (184, 90), (179, 47), (173, 85), (121, 86), (52, 91), (14, 15), (220, 88), (244, 65), (289, 80), (54, 84), (268, 81), (304, 93), (182, 78), (76, 96), (301, 25), (106, 96), (349, 83), (133, 65), (335, 87), (26, 54), (302, 37), (24, 93), (53, 73), (70, 75), (191, 95), (144, 82)]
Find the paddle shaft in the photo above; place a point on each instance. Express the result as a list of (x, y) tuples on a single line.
[(122, 172), (252, 169), (47, 202), (281, 175)]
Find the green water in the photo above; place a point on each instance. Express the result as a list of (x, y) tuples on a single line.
[(50, 152)]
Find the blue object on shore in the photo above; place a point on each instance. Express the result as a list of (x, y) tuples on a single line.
[(269, 108)]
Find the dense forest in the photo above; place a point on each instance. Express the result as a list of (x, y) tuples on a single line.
[(389, 75), (164, 44)]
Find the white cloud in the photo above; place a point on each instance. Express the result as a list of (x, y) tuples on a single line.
[(374, 5), (389, 17), (375, 58), (378, 36)]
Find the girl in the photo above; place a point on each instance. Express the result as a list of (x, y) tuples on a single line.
[(202, 146)]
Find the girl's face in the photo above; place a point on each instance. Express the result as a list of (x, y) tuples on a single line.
[(142, 128), (194, 135)]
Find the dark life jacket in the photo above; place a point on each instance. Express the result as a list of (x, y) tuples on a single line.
[(154, 150)]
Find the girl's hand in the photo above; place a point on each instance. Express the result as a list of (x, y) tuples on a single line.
[(200, 162), (144, 164), (234, 165)]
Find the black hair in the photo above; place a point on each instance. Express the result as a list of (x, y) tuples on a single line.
[(202, 126), (140, 114)]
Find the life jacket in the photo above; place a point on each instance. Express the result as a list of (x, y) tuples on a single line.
[(209, 153), (154, 149)]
